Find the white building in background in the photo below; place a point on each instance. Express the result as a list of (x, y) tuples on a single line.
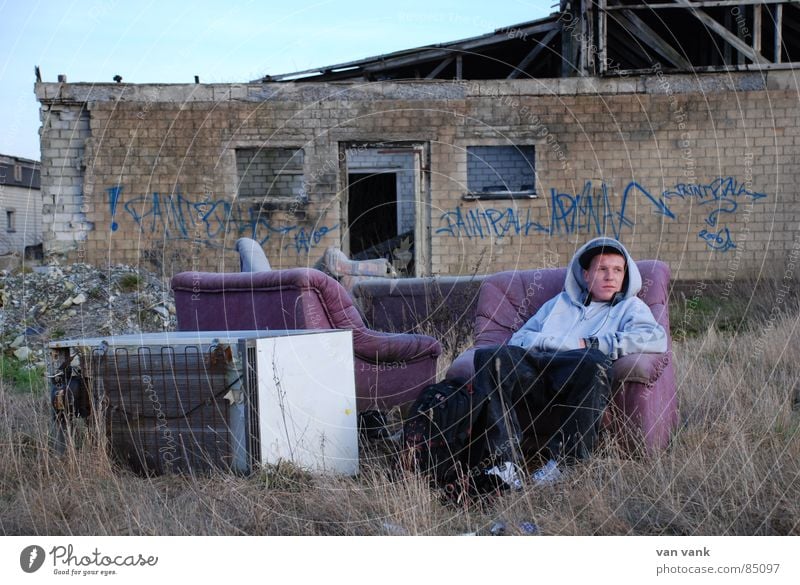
[(20, 206)]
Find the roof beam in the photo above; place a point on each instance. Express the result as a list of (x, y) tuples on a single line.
[(726, 35), (519, 69), (439, 68), (757, 28), (652, 38), (426, 54), (716, 69), (726, 51), (778, 32), (707, 4), (634, 57), (602, 40), (432, 54)]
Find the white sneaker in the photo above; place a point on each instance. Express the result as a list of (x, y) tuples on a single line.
[(508, 473), (547, 475)]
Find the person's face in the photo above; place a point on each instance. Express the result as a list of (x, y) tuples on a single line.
[(605, 275)]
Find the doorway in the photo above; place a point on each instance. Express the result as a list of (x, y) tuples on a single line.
[(371, 210), (382, 210)]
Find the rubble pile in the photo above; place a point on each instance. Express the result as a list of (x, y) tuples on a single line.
[(79, 300)]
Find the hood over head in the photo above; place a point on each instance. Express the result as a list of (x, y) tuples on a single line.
[(575, 284)]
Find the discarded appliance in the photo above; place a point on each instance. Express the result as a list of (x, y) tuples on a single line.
[(193, 401)]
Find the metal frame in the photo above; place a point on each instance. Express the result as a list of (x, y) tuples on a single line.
[(615, 18)]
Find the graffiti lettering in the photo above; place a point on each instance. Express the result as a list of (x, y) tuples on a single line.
[(586, 213), (719, 241), (304, 241), (592, 212), (481, 223), (723, 191), (175, 217)]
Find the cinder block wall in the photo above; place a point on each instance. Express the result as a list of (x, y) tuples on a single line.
[(698, 171), (270, 173), (64, 132)]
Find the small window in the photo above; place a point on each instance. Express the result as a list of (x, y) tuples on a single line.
[(273, 174), (11, 220), (18, 173), (501, 172)]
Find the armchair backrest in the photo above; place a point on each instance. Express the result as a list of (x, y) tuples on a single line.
[(506, 300), (251, 256), (297, 298)]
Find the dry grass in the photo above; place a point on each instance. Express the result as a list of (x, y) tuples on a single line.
[(733, 469)]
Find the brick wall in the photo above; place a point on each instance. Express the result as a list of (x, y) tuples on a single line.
[(698, 171)]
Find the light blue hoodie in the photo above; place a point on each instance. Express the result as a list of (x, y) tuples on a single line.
[(621, 326)]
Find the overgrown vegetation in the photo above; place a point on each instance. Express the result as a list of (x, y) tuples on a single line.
[(21, 377), (733, 467), (739, 306), (129, 282)]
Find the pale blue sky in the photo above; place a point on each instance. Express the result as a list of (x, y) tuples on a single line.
[(233, 41)]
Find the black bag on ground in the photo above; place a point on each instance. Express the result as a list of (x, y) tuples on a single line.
[(441, 431)]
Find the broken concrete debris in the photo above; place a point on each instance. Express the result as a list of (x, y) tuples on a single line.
[(79, 300)]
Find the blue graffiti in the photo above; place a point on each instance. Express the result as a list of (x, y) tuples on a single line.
[(179, 218), (586, 212), (304, 241), (719, 241), (592, 212), (722, 191), (659, 207), (113, 199), (175, 217), (481, 223)]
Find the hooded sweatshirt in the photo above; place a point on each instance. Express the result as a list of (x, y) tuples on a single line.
[(621, 326)]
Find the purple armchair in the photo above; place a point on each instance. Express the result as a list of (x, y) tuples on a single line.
[(391, 369), (643, 384)]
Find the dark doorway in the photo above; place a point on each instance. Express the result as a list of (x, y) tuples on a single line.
[(371, 209)]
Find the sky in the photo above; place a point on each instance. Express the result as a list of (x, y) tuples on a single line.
[(163, 41)]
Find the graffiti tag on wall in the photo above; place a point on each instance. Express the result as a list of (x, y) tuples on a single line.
[(593, 212), (176, 217), (722, 195), (481, 223)]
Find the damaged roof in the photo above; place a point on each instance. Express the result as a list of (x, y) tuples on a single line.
[(483, 56), (599, 38)]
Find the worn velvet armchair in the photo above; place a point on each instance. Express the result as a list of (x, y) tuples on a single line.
[(391, 368), (644, 404)]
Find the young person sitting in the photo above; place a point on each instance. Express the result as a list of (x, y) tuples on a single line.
[(557, 363)]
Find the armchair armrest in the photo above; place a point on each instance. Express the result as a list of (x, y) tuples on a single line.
[(642, 368), (463, 367), (377, 346)]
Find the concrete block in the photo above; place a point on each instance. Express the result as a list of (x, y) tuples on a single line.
[(782, 80), (568, 86)]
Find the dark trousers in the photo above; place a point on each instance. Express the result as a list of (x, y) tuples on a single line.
[(569, 388)]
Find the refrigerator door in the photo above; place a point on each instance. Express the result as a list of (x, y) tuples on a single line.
[(307, 402)]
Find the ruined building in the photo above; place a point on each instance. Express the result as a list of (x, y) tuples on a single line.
[(670, 125)]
